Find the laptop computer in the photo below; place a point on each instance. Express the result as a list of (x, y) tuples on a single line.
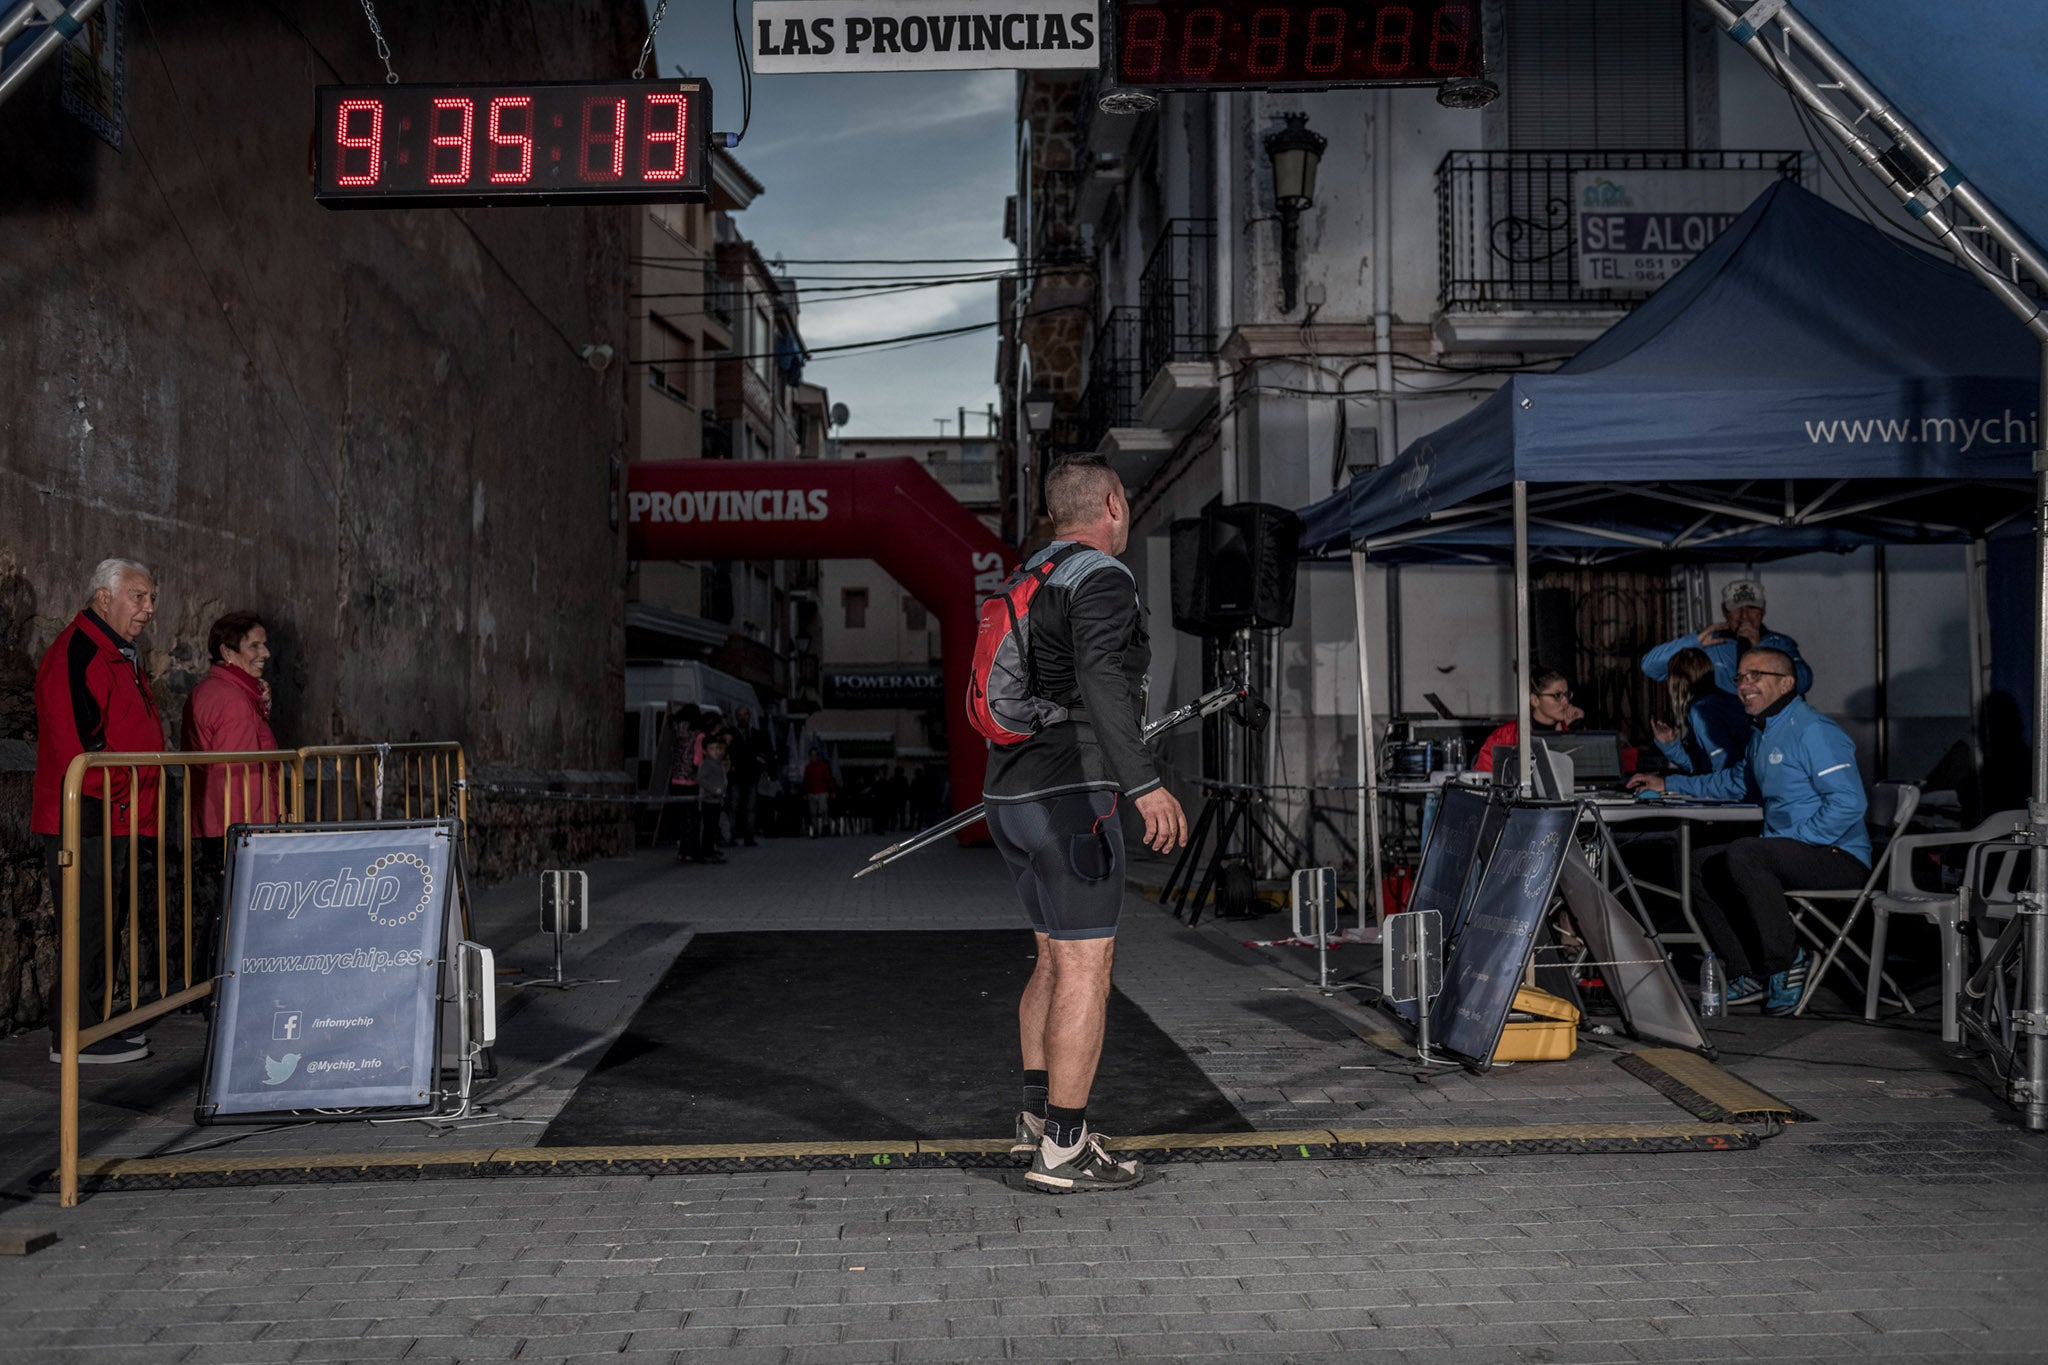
[(1596, 758)]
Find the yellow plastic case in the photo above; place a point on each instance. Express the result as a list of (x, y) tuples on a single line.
[(1551, 1037)]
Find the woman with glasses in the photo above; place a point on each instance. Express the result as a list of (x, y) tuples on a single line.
[(1550, 708), (1704, 729)]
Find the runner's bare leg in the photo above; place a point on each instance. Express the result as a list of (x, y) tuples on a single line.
[(1079, 1010)]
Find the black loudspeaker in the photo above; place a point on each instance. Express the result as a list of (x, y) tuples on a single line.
[(1250, 553), (1189, 580)]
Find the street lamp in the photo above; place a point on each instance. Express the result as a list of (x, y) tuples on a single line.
[(1038, 407), (1295, 153), (1038, 410)]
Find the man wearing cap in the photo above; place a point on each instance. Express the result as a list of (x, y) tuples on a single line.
[(1801, 766), (1740, 630)]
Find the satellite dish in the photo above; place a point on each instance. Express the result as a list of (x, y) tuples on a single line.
[(841, 415)]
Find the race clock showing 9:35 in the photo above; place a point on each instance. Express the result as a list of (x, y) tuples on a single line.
[(1290, 44), (553, 142)]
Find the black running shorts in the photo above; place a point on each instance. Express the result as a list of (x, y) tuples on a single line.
[(1067, 856)]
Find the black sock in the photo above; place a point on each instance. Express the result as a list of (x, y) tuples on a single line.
[(1064, 1127), (1034, 1093)]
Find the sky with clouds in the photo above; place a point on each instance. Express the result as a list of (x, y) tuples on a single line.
[(872, 167)]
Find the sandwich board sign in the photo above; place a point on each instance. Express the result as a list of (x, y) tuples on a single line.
[(331, 957), (1488, 959)]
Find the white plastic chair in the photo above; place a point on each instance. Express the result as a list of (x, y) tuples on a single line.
[(1985, 886), (1891, 809)]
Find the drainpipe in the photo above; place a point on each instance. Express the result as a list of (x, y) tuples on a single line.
[(1383, 272), (1222, 305)]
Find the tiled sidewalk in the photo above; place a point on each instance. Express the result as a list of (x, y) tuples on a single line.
[(1906, 1224)]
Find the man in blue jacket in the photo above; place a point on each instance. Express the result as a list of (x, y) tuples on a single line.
[(1814, 839), (1728, 641)]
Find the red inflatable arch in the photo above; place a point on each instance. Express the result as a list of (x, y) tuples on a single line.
[(890, 511)]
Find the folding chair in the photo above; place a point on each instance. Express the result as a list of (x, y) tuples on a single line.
[(1891, 809), (1948, 911)]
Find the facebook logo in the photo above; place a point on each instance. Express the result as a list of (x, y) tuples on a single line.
[(285, 1025)]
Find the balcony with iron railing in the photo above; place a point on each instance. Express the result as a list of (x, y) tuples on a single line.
[(1116, 377), (1175, 286), (1507, 233)]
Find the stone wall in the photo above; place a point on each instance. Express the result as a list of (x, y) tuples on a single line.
[(374, 427)]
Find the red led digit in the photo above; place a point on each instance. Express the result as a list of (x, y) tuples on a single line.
[(465, 124), (346, 142), (1268, 50), (1200, 50), (1450, 39), (652, 136), (1393, 40), (1325, 40), (613, 140), (1144, 45), (520, 140)]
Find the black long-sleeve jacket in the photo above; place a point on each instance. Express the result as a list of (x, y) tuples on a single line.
[(1089, 651)]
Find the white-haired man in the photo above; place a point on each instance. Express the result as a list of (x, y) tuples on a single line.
[(92, 697), (1725, 642)]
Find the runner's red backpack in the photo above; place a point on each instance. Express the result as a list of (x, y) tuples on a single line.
[(1002, 700)]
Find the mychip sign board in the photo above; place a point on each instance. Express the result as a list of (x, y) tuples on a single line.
[(331, 961), (1486, 962), (1636, 229)]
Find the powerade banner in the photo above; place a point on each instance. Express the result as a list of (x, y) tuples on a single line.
[(1486, 962), (330, 963), (905, 35)]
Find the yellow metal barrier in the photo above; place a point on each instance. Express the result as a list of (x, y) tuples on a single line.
[(383, 782), (267, 783)]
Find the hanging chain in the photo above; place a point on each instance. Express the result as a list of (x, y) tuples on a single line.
[(383, 48), (646, 48)]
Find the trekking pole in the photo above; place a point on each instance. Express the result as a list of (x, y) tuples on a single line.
[(1205, 705)]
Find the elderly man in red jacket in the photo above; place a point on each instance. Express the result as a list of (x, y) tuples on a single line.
[(92, 697)]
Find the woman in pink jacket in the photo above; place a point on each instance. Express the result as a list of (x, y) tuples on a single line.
[(230, 711)]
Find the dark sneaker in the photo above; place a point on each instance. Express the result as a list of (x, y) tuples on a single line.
[(1787, 987), (1030, 1132), (106, 1052), (1745, 990), (1087, 1170), (1795, 975)]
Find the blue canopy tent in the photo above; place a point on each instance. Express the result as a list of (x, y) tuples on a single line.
[(1807, 383), (1787, 391)]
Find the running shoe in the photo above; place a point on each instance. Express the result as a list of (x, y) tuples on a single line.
[(1030, 1132), (106, 1052), (1745, 990), (1786, 987), (1087, 1170)]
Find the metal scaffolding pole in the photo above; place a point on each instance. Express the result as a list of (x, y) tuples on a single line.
[(1924, 181), (62, 24), (1368, 762)]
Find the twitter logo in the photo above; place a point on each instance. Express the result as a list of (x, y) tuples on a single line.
[(277, 1072)]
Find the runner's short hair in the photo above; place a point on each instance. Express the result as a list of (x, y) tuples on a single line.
[(1074, 489)]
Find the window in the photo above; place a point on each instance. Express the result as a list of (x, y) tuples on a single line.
[(678, 354), (1597, 74), (854, 601), (913, 614)]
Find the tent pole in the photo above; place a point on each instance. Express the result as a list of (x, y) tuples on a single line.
[(1880, 611), (2032, 1090), (1368, 760), (1975, 568), (1523, 671)]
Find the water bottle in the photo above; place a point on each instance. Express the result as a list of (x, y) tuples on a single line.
[(1713, 988)]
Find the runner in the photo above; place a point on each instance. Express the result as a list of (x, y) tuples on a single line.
[(1052, 807)]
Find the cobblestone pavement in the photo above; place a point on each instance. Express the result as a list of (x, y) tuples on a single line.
[(1906, 1224)]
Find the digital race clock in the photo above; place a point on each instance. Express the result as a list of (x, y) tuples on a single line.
[(1290, 44), (560, 142)]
